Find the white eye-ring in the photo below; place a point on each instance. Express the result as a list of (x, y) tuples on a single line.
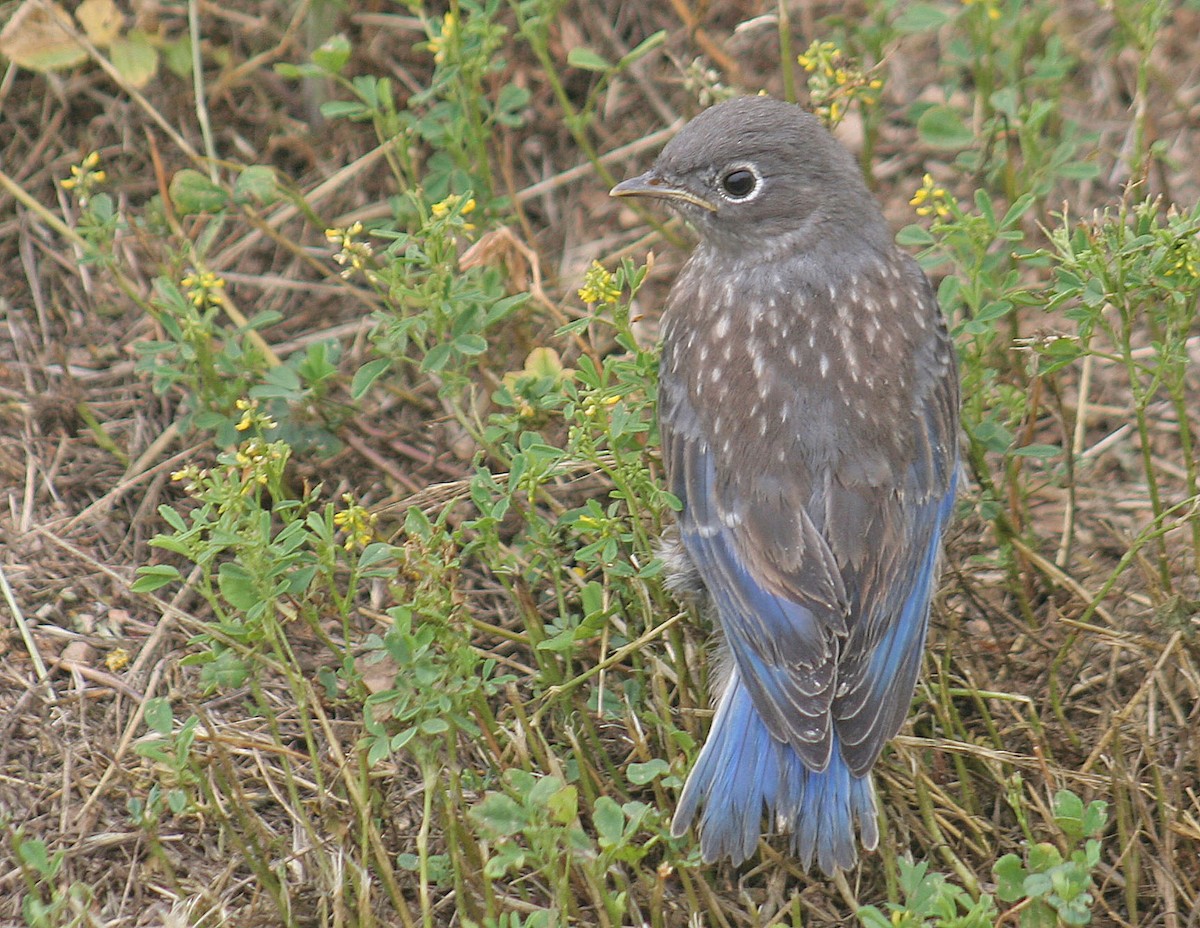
[(739, 183)]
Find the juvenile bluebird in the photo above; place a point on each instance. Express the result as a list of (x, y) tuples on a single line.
[(808, 409)]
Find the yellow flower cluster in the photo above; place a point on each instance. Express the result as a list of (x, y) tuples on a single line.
[(85, 178), (438, 43), (599, 286), (1187, 260), (354, 254), (190, 476), (836, 81), (357, 522), (204, 289), (452, 203), (252, 418), (932, 199), (256, 457)]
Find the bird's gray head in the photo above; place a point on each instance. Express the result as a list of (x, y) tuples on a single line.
[(755, 174)]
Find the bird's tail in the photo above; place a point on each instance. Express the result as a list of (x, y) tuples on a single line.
[(742, 771)]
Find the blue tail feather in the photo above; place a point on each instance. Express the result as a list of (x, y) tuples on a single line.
[(743, 772)]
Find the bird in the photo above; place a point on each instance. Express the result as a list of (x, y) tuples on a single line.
[(808, 414)]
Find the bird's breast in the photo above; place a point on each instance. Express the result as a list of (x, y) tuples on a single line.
[(782, 367)]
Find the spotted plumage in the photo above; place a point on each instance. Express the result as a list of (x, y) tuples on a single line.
[(809, 412)]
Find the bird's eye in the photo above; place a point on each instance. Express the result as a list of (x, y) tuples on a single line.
[(739, 183)]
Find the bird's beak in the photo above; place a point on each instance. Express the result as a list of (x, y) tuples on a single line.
[(652, 185)]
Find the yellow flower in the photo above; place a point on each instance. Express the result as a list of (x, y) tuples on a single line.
[(353, 254), (599, 286), (85, 177), (931, 199), (455, 202), (836, 81), (437, 44), (990, 8), (252, 418), (357, 522), (204, 289)]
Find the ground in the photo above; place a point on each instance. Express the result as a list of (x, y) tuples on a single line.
[(452, 690)]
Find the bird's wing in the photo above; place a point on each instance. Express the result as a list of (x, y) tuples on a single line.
[(883, 654), (786, 646)]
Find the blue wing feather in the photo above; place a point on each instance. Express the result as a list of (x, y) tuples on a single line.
[(744, 771)]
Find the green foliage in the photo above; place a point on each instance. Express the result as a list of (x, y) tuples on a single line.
[(1114, 276), (930, 901), (47, 902), (434, 308), (214, 364), (1055, 890), (1049, 890), (262, 552), (534, 829), (177, 775), (438, 679)]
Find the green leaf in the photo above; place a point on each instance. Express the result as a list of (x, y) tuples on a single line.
[(1010, 878), (378, 751), (1040, 452), (153, 577), (158, 715), (609, 821), (587, 60), (41, 40), (591, 597), (643, 47), (172, 518), (366, 375), (377, 552), (256, 184), (237, 586), (563, 806), (871, 917), (502, 308), (135, 58), (921, 17), (1067, 806), (348, 109), (915, 236), (177, 56), (500, 814), (437, 358), (1079, 170), (471, 344), (511, 100), (641, 774), (1006, 101), (543, 791), (1095, 817), (333, 55), (191, 193), (941, 127)]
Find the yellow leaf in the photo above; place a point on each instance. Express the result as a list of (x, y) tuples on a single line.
[(135, 58), (40, 37), (101, 20), (544, 362)]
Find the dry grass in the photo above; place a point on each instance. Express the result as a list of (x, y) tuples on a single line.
[(1044, 672)]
